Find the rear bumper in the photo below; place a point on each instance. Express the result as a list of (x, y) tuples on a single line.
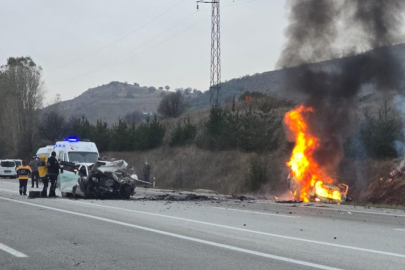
[(4, 174)]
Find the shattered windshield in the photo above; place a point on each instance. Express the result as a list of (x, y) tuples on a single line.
[(83, 157)]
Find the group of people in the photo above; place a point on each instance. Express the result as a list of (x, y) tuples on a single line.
[(45, 169)]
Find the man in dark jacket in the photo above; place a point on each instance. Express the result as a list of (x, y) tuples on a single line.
[(53, 172), (34, 167), (146, 171)]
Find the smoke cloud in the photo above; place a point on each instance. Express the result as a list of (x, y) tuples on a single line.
[(314, 33)]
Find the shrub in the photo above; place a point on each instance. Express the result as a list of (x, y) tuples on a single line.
[(172, 105), (251, 130), (257, 175), (253, 94), (101, 135), (121, 136), (184, 133), (375, 136), (156, 133)]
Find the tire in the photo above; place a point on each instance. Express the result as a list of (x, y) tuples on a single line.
[(67, 195)]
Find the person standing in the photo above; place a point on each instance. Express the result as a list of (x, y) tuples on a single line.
[(146, 171), (23, 173), (53, 172), (34, 167), (43, 174)]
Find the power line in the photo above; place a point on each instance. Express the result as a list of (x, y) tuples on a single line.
[(119, 39), (108, 65), (129, 52)]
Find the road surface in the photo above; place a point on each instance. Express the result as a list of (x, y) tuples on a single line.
[(99, 234)]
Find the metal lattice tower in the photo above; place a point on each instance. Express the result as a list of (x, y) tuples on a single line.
[(215, 82)]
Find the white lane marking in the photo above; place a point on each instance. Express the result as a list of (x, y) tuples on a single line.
[(313, 207), (341, 210), (12, 251), (248, 251), (254, 212), (9, 190), (400, 230), (354, 211), (247, 230)]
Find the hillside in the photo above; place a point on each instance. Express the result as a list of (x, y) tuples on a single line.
[(272, 82), (111, 101), (116, 99)]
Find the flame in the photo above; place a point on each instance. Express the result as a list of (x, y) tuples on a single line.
[(312, 181)]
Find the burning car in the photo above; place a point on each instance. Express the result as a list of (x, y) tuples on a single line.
[(319, 192), (309, 180)]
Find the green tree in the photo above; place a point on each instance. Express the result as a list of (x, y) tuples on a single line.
[(148, 135), (102, 135), (121, 137), (184, 133), (257, 175)]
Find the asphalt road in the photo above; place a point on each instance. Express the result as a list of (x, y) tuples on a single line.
[(92, 234)]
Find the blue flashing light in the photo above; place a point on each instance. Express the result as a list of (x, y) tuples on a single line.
[(71, 139)]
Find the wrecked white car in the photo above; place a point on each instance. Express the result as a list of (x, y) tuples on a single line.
[(102, 180)]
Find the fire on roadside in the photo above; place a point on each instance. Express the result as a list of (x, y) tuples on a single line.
[(307, 180)]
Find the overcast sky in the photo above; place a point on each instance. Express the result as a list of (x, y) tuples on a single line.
[(81, 44)]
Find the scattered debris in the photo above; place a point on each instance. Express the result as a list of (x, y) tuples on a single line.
[(242, 198), (180, 197), (289, 201)]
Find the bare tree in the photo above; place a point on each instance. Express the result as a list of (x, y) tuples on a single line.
[(172, 105), (22, 95), (53, 125)]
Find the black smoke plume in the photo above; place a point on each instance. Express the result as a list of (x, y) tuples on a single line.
[(315, 28)]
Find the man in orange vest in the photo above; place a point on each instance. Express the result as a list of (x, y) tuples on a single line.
[(23, 173)]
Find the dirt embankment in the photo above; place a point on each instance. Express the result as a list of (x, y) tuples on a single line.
[(189, 168)]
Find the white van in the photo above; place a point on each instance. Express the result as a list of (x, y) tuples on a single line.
[(18, 162), (7, 168), (45, 151), (76, 151)]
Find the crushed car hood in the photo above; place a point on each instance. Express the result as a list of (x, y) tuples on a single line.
[(107, 180)]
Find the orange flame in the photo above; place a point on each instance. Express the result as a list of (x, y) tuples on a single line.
[(311, 180)]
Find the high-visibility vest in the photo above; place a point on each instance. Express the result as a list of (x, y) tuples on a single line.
[(42, 167), (23, 172)]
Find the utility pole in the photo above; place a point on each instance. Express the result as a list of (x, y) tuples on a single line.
[(215, 82)]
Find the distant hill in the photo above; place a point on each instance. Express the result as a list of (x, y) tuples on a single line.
[(116, 99), (111, 101), (272, 82)]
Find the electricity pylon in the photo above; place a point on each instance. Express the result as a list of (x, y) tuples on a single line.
[(215, 82)]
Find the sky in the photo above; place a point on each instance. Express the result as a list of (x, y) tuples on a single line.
[(82, 44)]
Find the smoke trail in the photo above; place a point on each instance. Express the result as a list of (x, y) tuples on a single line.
[(332, 88)]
